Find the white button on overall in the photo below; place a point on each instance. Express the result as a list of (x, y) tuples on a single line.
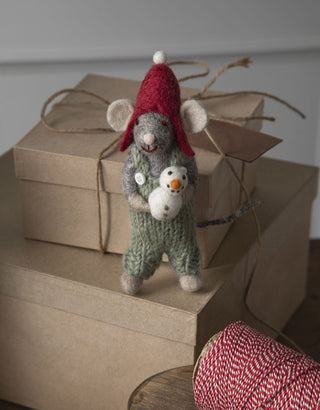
[(140, 178)]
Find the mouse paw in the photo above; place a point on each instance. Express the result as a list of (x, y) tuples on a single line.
[(130, 284), (191, 283)]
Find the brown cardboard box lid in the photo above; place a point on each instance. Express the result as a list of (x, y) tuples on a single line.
[(71, 159), (86, 283)]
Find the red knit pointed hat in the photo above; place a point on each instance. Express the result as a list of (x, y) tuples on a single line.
[(159, 92)]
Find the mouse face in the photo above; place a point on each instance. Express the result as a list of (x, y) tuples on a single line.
[(153, 133), (174, 179)]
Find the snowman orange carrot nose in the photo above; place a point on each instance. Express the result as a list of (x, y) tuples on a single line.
[(175, 184)]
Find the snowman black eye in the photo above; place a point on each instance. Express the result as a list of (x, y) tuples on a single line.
[(168, 186), (170, 173), (184, 177)]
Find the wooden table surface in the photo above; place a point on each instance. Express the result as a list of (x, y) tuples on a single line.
[(173, 389), (167, 390)]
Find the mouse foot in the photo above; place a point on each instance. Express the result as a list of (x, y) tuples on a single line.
[(191, 283), (130, 284)]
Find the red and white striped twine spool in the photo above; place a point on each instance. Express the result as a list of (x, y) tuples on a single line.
[(244, 369)]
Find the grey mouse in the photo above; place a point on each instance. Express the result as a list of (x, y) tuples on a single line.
[(155, 128)]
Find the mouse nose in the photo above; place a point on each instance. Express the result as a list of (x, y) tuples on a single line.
[(148, 139)]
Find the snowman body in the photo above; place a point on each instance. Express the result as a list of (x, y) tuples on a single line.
[(166, 200)]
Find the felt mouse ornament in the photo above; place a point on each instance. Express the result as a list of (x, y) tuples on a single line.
[(155, 128)]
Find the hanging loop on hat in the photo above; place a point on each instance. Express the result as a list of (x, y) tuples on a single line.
[(192, 76), (243, 62)]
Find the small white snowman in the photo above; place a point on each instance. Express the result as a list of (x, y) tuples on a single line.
[(166, 200)]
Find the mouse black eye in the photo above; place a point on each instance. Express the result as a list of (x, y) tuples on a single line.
[(170, 173), (137, 122), (184, 177), (164, 122)]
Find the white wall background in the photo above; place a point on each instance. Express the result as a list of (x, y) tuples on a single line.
[(48, 45)]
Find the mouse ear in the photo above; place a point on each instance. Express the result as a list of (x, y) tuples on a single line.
[(194, 116), (119, 113)]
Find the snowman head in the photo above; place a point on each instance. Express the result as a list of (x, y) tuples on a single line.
[(174, 180)]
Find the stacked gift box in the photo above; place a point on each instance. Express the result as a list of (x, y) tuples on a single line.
[(58, 171), (70, 338)]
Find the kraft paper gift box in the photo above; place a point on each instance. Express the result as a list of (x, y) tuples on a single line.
[(71, 340), (58, 172)]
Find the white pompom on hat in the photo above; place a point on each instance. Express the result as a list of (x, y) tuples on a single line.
[(160, 57)]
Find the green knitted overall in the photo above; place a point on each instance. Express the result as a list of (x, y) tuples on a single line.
[(150, 238)]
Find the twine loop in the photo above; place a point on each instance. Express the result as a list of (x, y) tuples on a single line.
[(243, 62), (192, 76), (72, 130)]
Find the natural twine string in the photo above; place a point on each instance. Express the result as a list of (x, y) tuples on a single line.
[(243, 169), (236, 120), (71, 130), (243, 62), (252, 92), (192, 76), (258, 241), (104, 153)]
